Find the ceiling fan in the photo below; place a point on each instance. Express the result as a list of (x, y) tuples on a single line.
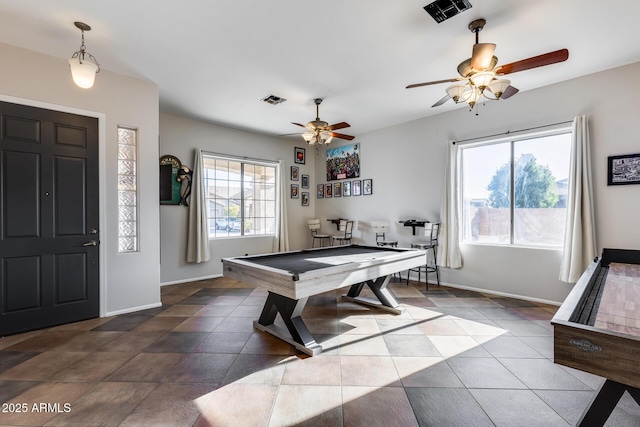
[(320, 132), (480, 78)]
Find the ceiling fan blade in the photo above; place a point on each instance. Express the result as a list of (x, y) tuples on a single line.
[(298, 124), (482, 55), (340, 125), (534, 62), (509, 92), (342, 136), (442, 101), (432, 83)]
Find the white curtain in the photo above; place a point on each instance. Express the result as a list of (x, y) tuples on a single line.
[(579, 235), (281, 238), (198, 227), (449, 252)]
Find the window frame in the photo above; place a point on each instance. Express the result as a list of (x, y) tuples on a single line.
[(243, 162), (554, 130)]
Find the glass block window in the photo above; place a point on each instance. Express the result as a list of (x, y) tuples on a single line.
[(127, 190)]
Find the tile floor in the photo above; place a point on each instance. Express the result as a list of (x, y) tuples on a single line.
[(454, 358)]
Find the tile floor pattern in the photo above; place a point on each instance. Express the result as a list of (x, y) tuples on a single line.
[(454, 358)]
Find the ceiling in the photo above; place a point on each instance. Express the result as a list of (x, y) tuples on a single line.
[(216, 60)]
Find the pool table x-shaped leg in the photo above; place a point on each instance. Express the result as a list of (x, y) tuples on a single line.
[(290, 310)]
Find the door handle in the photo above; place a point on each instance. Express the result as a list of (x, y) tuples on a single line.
[(90, 243)]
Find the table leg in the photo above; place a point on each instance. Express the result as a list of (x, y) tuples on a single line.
[(386, 299), (605, 402), (290, 311)]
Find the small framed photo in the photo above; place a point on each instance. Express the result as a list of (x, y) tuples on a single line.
[(305, 198), (623, 170), (295, 173), (346, 188), (337, 189), (299, 155), (355, 187), (328, 190), (320, 191), (305, 181), (367, 187), (294, 191)]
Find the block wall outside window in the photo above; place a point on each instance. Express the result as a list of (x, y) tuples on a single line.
[(127, 190), (514, 192)]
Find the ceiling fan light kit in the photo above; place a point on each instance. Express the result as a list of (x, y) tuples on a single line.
[(480, 76), (84, 66), (320, 132)]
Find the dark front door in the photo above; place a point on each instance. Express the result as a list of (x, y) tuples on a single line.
[(49, 265)]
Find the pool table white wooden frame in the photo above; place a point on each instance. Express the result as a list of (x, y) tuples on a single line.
[(289, 290)]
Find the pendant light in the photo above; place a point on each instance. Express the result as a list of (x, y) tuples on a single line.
[(84, 66)]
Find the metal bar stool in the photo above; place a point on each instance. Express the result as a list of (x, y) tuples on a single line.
[(381, 228), (431, 232), (314, 226), (347, 227)]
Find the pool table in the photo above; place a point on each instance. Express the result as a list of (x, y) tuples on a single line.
[(292, 277)]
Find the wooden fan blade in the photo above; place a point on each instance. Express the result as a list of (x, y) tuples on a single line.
[(482, 55), (298, 124), (509, 92), (342, 136), (534, 62), (442, 101), (432, 83), (340, 125)]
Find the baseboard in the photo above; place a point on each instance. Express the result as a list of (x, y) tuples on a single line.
[(133, 309), (496, 293), (191, 279)]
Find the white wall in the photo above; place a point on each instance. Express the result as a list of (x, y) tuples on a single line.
[(180, 137), (128, 281), (406, 163)]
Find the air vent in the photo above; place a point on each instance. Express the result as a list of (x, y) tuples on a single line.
[(441, 10), (273, 100)]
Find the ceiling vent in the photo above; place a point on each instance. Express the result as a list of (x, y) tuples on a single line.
[(441, 10), (273, 100)]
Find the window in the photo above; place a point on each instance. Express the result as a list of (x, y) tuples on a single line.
[(515, 191), (240, 196), (127, 190)]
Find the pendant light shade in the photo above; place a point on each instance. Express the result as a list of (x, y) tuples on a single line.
[(84, 66), (83, 72)]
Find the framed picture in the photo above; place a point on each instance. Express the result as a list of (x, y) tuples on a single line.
[(305, 181), (337, 189), (305, 198), (367, 187), (295, 173), (346, 188), (328, 190), (294, 191), (623, 170), (320, 191), (355, 187), (299, 155), (343, 162)]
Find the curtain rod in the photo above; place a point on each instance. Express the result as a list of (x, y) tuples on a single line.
[(513, 131)]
